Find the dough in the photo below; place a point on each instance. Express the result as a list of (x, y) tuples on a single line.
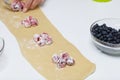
[(40, 57)]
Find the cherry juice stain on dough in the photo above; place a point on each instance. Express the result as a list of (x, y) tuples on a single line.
[(102, 0)]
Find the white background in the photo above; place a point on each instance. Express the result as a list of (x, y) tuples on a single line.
[(73, 19)]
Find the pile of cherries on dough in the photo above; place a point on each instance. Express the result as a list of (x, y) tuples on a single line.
[(63, 60), (17, 5), (42, 39), (29, 22)]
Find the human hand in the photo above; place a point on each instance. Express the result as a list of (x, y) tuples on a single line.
[(31, 4)]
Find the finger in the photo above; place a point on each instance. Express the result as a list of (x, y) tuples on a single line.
[(35, 3), (42, 1), (27, 5)]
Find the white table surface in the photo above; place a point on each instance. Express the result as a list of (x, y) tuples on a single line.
[(73, 19)]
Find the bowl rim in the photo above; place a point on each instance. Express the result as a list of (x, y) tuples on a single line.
[(106, 44), (3, 42)]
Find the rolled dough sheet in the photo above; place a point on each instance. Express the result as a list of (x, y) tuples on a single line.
[(40, 57)]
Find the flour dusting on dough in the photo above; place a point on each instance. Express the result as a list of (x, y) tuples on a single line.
[(30, 44), (39, 68), (16, 17), (17, 25)]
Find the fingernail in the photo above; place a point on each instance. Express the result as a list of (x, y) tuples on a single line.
[(25, 10)]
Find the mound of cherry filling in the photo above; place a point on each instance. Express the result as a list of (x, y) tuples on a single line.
[(17, 5), (106, 33), (29, 22), (62, 60), (42, 39)]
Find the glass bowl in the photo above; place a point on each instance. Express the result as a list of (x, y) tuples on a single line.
[(104, 46), (2, 44)]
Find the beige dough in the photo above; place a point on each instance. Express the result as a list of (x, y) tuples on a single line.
[(40, 57)]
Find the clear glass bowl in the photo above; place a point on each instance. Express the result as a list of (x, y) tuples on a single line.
[(106, 47), (2, 44)]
